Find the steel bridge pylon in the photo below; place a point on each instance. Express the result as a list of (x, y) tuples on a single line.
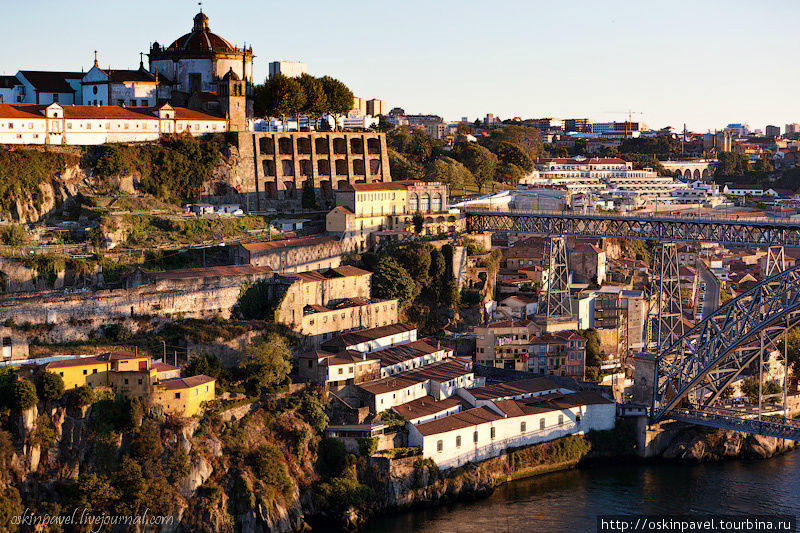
[(554, 295), (665, 322)]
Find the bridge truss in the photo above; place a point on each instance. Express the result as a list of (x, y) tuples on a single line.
[(691, 374), (689, 229)]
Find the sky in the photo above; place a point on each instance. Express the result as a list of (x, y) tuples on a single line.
[(705, 63)]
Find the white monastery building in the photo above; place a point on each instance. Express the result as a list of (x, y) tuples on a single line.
[(87, 125)]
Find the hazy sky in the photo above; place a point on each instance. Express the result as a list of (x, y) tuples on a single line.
[(702, 62)]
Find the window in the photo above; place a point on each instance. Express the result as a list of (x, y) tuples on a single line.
[(541, 423), (120, 102), (522, 427), (126, 381), (84, 372), (310, 363), (439, 446), (55, 97), (140, 381), (177, 395), (491, 433), (61, 374), (560, 419), (94, 371), (458, 441), (475, 436), (340, 371)]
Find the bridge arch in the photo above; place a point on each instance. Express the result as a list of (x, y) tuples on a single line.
[(687, 174), (696, 174), (698, 366)]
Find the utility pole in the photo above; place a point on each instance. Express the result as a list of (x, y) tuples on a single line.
[(164, 344)]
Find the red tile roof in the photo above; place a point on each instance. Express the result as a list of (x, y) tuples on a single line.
[(288, 243), (186, 383), (427, 405), (210, 272), (513, 388), (464, 419)]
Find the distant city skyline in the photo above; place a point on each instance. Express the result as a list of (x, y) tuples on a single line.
[(705, 64)]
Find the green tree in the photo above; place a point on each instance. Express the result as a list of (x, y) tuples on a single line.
[(49, 386), (266, 363), (448, 171), (391, 280), (281, 96), (269, 465), (509, 173), (415, 258), (402, 168), (82, 396), (512, 154), (309, 197), (340, 98), (95, 493), (479, 161), (10, 507), (450, 295), (419, 221), (23, 394), (14, 235), (316, 101), (146, 447), (526, 138), (129, 482), (593, 350), (732, 165)]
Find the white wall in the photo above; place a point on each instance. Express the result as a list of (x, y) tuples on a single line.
[(508, 434), (387, 400)]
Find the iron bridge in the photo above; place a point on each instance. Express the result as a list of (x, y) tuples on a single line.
[(692, 373), (627, 226)]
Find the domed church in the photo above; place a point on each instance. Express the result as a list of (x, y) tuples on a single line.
[(196, 64)]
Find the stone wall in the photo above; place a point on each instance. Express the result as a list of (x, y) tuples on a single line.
[(271, 168)]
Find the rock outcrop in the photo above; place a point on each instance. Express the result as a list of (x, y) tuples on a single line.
[(696, 445)]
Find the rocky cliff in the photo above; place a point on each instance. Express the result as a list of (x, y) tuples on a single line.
[(702, 444)]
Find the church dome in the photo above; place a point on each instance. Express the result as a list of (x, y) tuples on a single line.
[(231, 75), (201, 39)]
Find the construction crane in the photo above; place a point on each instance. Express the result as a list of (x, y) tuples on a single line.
[(629, 123)]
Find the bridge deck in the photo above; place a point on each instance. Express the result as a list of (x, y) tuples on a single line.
[(768, 426), (723, 230)]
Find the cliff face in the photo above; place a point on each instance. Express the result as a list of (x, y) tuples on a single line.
[(65, 457), (698, 444)]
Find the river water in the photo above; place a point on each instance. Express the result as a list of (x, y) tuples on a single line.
[(570, 501)]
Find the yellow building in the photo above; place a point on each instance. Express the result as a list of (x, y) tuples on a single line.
[(80, 371), (362, 208), (184, 396), (135, 376)]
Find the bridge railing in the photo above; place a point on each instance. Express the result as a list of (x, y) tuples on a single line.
[(770, 425), (730, 218)]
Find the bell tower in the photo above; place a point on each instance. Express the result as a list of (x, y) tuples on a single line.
[(233, 101)]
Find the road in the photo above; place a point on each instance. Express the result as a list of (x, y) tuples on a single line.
[(710, 298)]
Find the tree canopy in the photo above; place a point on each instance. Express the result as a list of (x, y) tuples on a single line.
[(391, 280), (266, 363)]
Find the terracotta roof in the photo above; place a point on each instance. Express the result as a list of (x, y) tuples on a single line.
[(51, 81), (365, 335), (378, 186), (138, 75), (288, 243), (509, 324), (186, 383), (464, 419), (76, 112), (77, 361), (513, 388), (439, 372), (209, 272), (8, 82), (404, 352), (427, 405), (347, 357), (125, 354), (164, 367)]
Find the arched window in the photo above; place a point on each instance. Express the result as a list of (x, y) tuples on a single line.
[(413, 203), (424, 203), (436, 204)]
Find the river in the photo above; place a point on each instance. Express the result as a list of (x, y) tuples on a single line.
[(570, 501)]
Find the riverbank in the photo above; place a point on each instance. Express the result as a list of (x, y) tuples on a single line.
[(413, 484), (571, 500)]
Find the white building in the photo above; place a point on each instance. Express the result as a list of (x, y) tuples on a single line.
[(119, 87), (45, 87), (488, 430), (290, 69), (197, 61), (89, 125), (748, 190)]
